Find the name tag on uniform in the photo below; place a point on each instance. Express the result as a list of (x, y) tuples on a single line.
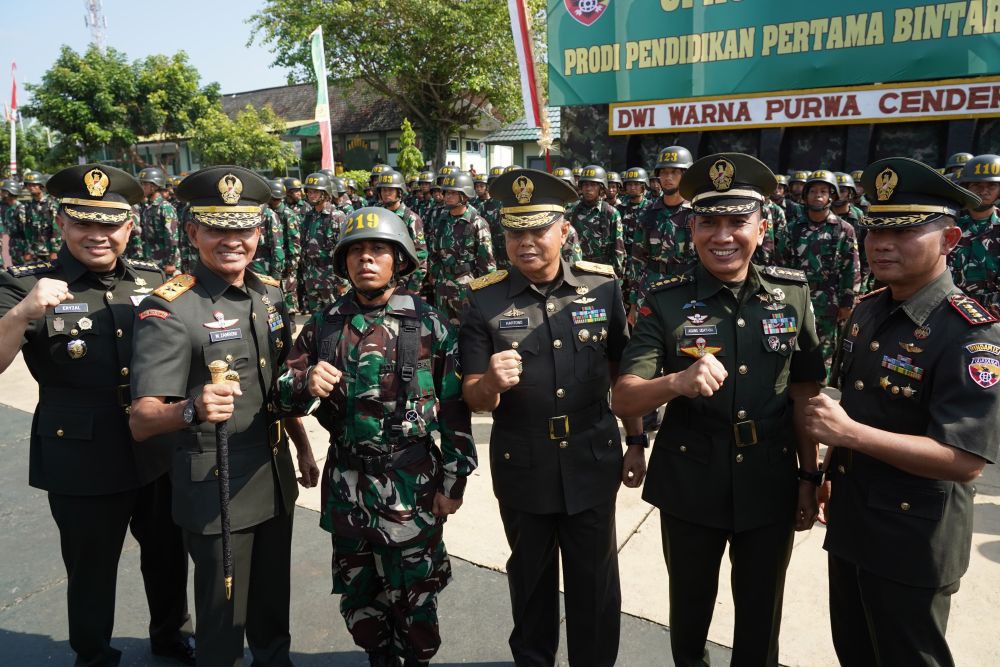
[(225, 334), (707, 330), (72, 308), (513, 323)]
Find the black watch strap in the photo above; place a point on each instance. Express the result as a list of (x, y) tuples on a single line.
[(637, 440), (815, 476)]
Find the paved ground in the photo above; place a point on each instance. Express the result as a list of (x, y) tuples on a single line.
[(475, 608)]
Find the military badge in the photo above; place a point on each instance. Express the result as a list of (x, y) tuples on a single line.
[(589, 315), (920, 333), (154, 312), (774, 343), (85, 323), (911, 348), (692, 304), (903, 366), (583, 335), (582, 289), (989, 348), (586, 11), (854, 330), (700, 349), (584, 300), (230, 188), (984, 371), (96, 182), (779, 325), (885, 183), (220, 321), (76, 349), (697, 318), (523, 189), (58, 324), (513, 312), (721, 174), (275, 321), (779, 294)]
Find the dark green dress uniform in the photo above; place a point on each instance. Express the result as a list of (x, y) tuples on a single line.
[(555, 448), (100, 482), (929, 366), (724, 468), (189, 322)]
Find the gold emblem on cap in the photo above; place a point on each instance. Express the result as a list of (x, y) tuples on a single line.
[(230, 187), (96, 182), (523, 189), (885, 183), (721, 174)]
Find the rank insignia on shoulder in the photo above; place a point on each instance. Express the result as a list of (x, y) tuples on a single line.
[(31, 269), (143, 264), (594, 267), (672, 281), (268, 280), (176, 286), (785, 273), (970, 309), (488, 279), (874, 292)]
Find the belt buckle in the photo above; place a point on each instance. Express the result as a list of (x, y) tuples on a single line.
[(557, 423), (124, 395), (739, 431)]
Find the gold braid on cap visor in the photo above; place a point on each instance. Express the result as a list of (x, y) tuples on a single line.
[(538, 215), (98, 216), (727, 209), (920, 214), (231, 217)]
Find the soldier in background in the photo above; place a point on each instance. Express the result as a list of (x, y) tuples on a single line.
[(371, 196), (859, 192), (387, 487), (341, 200), (956, 163), (425, 180), (291, 234), (975, 261), (598, 223), (797, 181), (631, 207), (15, 220), (294, 198), (41, 215), (390, 189), (158, 222), (847, 211), (490, 211), (352, 194), (614, 187), (321, 228), (269, 258), (479, 184)]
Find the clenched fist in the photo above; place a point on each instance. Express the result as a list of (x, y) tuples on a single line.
[(504, 371), (322, 378), (47, 293), (703, 377)]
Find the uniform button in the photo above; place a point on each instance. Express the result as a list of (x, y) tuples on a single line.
[(506, 456), (741, 322), (557, 344), (683, 448), (215, 471), (905, 506), (550, 307), (784, 450), (611, 443), (74, 332), (783, 347), (275, 451), (279, 344), (125, 372), (128, 409), (119, 333), (253, 316), (60, 432), (515, 345), (874, 346), (262, 362), (842, 470), (229, 357), (859, 385), (560, 392), (743, 369), (739, 458), (894, 389), (109, 296), (563, 444), (741, 414)]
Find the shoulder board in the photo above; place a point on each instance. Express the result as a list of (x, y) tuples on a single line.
[(974, 312), (174, 287), (31, 269), (143, 264), (267, 280), (489, 279), (672, 281), (872, 293), (784, 273), (594, 267)]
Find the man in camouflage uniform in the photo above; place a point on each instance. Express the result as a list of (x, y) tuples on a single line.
[(975, 261), (462, 246), (41, 211), (636, 183), (158, 222), (859, 191), (845, 208), (956, 163), (661, 246), (422, 195), (291, 235), (598, 223), (797, 181), (15, 221), (614, 187), (294, 198), (352, 194), (390, 189), (825, 247), (377, 170), (479, 185), (387, 488), (270, 257), (341, 200), (777, 227), (321, 227)]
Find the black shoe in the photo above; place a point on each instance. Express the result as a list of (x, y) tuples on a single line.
[(382, 660), (181, 649), (413, 662)]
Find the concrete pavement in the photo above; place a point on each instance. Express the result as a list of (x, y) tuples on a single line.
[(475, 608)]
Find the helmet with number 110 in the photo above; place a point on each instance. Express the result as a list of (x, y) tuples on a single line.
[(981, 169), (374, 223), (636, 175)]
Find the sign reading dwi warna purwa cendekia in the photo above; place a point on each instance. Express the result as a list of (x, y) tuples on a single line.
[(779, 62)]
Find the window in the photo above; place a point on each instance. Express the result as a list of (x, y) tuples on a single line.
[(471, 146), (453, 144)]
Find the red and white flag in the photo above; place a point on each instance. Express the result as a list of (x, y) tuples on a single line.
[(322, 97), (525, 61)]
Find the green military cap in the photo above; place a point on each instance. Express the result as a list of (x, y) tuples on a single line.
[(907, 193), (727, 184), (530, 198), (96, 193), (225, 197)]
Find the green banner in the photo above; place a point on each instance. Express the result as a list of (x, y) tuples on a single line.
[(604, 51)]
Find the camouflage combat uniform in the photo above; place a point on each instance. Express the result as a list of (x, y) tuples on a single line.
[(291, 235), (42, 221), (415, 226), (975, 261), (320, 233), (767, 252), (15, 220), (490, 211), (853, 217), (159, 228), (662, 247), (462, 251), (828, 253), (389, 559), (600, 230), (270, 256)]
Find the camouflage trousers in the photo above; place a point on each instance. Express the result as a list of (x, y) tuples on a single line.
[(449, 298), (827, 330), (290, 285), (389, 594)]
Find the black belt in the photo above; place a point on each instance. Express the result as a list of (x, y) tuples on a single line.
[(378, 464), (120, 395), (745, 433), (560, 426)]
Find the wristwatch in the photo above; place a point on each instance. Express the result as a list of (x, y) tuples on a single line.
[(190, 413), (816, 477), (636, 440)]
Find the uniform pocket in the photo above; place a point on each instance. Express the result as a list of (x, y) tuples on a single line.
[(685, 443), (923, 503), (65, 423), (512, 452)]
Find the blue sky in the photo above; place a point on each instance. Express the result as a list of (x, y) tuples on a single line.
[(212, 32)]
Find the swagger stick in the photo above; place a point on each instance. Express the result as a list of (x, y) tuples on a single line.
[(221, 373)]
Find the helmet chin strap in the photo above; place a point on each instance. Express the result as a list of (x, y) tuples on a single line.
[(373, 294), (814, 207)]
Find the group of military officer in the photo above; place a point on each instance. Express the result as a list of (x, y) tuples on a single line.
[(156, 395)]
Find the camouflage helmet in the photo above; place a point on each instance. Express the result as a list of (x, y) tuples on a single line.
[(153, 175), (798, 177), (425, 177), (374, 223), (339, 185), (10, 186), (845, 180), (446, 170), (319, 181), (495, 173), (32, 177), (278, 190), (673, 157), (981, 169), (958, 160), (565, 173), (292, 183), (594, 173), (459, 182), (512, 168), (391, 180), (822, 176), (613, 177), (636, 175), (781, 179)]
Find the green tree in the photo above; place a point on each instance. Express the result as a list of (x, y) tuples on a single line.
[(443, 62), (33, 151), (409, 160), (171, 99), (251, 140)]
